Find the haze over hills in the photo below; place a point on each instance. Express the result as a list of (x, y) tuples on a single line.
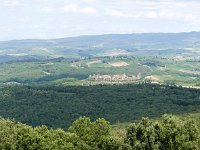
[(151, 44)]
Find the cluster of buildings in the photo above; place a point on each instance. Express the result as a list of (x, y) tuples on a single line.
[(110, 78)]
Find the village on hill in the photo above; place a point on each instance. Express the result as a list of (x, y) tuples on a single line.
[(114, 78)]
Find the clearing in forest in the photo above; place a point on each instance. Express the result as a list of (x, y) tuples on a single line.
[(94, 62), (189, 71), (119, 64), (153, 78)]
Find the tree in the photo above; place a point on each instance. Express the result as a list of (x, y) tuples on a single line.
[(167, 133), (176, 134), (96, 134), (142, 135)]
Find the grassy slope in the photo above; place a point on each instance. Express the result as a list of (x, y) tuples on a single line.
[(181, 72)]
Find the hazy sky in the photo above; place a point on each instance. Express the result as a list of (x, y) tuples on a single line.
[(20, 19)]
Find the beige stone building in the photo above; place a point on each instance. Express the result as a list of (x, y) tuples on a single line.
[(111, 78)]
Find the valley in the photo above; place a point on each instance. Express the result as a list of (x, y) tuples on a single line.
[(148, 69), (99, 75), (50, 89)]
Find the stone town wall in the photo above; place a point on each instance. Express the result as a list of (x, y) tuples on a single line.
[(123, 77)]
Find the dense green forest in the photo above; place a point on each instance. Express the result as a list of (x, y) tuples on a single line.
[(166, 133), (58, 106)]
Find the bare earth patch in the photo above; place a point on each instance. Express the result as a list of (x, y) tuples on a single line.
[(153, 78), (47, 73), (116, 52), (56, 56), (119, 64), (94, 62), (47, 64), (189, 71)]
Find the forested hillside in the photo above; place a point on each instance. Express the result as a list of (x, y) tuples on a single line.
[(59, 106)]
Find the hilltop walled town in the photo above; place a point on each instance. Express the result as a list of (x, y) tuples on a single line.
[(119, 78)]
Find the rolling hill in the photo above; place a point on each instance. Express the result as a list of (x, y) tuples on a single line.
[(153, 44)]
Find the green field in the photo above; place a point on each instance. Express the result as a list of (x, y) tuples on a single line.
[(161, 70)]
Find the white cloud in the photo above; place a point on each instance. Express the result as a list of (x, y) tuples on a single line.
[(75, 8), (117, 13), (48, 9), (105, 16), (25, 19), (156, 10), (12, 3), (88, 10)]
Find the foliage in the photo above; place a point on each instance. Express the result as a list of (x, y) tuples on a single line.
[(59, 106), (168, 133), (20, 136), (97, 134)]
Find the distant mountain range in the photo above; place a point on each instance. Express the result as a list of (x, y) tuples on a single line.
[(144, 44)]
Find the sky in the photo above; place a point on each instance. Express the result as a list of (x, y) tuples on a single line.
[(48, 19)]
